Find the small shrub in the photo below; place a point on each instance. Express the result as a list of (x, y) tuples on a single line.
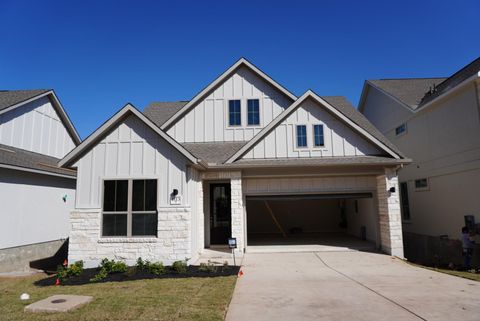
[(156, 268), (107, 264), (75, 269), (141, 264), (118, 267), (207, 267), (102, 274), (64, 273), (179, 267)]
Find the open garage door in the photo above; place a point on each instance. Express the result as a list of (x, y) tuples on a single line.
[(311, 222)]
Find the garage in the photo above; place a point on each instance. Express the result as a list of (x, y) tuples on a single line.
[(311, 222)]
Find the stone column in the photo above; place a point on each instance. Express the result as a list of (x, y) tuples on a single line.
[(237, 211), (389, 215)]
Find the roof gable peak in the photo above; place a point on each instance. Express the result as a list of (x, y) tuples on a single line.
[(239, 63)]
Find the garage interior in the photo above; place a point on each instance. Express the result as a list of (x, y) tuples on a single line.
[(311, 222)]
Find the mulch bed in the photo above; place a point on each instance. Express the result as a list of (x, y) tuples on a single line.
[(132, 274)]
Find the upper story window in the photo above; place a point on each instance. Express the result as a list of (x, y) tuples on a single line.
[(318, 138), (253, 110), (421, 184), (130, 208), (402, 129), (234, 113), (301, 136)]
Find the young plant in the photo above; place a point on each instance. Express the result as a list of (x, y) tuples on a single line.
[(207, 267), (102, 274), (179, 267), (156, 268)]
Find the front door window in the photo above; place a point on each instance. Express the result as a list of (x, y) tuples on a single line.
[(220, 213)]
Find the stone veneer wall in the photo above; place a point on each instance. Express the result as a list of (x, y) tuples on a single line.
[(238, 217), (173, 242), (389, 214)]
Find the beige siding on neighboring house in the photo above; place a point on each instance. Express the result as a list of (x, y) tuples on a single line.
[(383, 111), (207, 121)]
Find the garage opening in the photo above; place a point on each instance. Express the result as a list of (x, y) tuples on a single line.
[(311, 222)]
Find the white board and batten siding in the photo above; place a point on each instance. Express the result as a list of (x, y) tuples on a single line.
[(36, 127), (207, 121), (131, 151), (339, 139)]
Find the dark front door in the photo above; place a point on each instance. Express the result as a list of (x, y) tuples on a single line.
[(220, 213)]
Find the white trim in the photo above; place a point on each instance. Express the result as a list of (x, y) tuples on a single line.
[(362, 98), (291, 109), (37, 171), (216, 82), (128, 109), (58, 107)]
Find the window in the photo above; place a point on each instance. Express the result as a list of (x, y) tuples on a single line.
[(318, 136), (234, 113), (130, 208), (404, 201), (253, 112), (401, 129), (421, 184), (301, 136)]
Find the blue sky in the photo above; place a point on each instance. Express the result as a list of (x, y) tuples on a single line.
[(98, 55)]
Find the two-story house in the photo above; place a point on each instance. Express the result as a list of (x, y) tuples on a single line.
[(36, 196), (436, 123), (244, 158)]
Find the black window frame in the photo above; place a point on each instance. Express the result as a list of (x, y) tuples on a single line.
[(131, 214), (252, 110), (304, 137), (236, 120), (315, 126)]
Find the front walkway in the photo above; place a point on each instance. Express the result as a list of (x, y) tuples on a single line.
[(348, 285)]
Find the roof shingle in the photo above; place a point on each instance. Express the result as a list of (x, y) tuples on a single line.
[(410, 91), (17, 157), (12, 97), (160, 112)]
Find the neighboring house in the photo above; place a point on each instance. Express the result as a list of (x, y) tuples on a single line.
[(36, 196), (244, 158), (435, 122)]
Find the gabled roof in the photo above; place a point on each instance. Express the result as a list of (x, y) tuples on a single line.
[(20, 159), (409, 91), (241, 62), (415, 93), (9, 98), (103, 130), (339, 107), (160, 112), (12, 99)]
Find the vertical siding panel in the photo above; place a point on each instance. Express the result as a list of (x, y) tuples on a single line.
[(137, 158), (199, 119), (209, 121), (124, 158), (219, 120)]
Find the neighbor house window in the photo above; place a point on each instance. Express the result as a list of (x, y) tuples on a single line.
[(421, 183), (401, 129), (234, 113), (130, 207), (301, 136), (253, 110), (318, 138), (404, 201)]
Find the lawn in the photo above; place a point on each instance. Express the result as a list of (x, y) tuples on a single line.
[(155, 299)]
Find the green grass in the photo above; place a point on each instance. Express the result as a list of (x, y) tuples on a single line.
[(199, 299), (462, 274)]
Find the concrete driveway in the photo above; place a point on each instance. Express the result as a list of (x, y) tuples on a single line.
[(348, 286)]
